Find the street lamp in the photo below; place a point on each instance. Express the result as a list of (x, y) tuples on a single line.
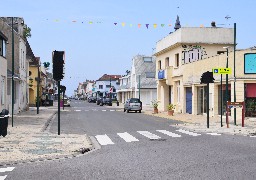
[(226, 96), (139, 86), (110, 87)]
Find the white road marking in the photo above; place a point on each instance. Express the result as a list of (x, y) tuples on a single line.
[(77, 110), (187, 132), (104, 139), (104, 110), (3, 177), (214, 134), (6, 169), (149, 135), (127, 137), (169, 133), (86, 110), (112, 110)]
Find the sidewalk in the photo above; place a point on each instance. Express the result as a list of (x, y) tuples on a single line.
[(30, 140), (198, 123)]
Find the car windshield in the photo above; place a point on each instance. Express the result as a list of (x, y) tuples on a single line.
[(134, 100)]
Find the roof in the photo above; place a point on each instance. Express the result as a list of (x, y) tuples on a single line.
[(107, 77), (30, 55)]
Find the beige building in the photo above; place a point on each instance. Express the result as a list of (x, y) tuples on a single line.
[(181, 59)]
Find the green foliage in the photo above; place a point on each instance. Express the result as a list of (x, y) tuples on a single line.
[(155, 103), (171, 107), (27, 32), (46, 64)]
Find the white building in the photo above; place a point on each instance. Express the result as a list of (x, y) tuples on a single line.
[(140, 81)]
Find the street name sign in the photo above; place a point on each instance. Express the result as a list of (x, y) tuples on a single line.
[(221, 70)]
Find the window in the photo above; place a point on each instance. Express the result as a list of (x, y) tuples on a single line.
[(2, 47), (108, 86), (167, 62), (159, 64), (147, 59), (100, 86), (2, 90), (177, 59), (150, 74)]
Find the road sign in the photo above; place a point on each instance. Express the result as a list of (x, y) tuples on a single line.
[(221, 70)]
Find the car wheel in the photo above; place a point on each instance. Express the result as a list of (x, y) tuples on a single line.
[(127, 111), (124, 110), (139, 111), (110, 104)]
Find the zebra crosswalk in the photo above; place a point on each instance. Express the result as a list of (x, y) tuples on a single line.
[(106, 140), (3, 172), (95, 110)]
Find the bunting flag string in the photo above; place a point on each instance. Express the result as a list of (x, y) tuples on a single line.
[(123, 24)]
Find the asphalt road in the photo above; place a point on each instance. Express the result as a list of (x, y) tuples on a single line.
[(157, 150)]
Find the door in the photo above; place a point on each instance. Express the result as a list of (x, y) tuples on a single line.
[(189, 100)]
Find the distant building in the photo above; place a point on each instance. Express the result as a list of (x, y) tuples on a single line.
[(139, 81)]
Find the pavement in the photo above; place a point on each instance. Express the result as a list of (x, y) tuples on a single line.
[(198, 123), (29, 139)]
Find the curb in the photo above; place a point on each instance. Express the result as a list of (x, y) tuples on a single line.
[(46, 125)]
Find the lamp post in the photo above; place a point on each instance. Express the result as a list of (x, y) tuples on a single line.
[(110, 87), (38, 83), (235, 71), (226, 94), (12, 71), (139, 86)]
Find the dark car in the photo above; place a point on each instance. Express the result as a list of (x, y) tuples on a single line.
[(92, 99), (133, 104), (99, 100), (107, 101)]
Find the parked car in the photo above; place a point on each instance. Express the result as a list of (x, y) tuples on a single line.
[(133, 104), (66, 102), (92, 99), (107, 101), (99, 100)]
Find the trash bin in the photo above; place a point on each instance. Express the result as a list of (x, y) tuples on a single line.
[(4, 116), (117, 103)]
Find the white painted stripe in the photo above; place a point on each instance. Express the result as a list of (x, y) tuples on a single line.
[(253, 136), (127, 137), (214, 134), (77, 110), (169, 133), (112, 110), (6, 169), (3, 177), (149, 135), (104, 110), (104, 139), (86, 110), (187, 132)]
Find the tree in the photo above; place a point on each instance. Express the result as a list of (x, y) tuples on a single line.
[(27, 32)]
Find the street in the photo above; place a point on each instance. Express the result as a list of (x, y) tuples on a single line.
[(139, 146)]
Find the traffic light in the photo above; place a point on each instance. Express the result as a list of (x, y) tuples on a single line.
[(58, 63), (207, 77), (62, 88)]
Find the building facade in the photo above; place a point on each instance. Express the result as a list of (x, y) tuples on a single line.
[(140, 82)]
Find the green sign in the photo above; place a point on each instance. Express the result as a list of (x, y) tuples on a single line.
[(221, 71)]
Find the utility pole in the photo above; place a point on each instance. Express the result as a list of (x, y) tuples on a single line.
[(12, 71)]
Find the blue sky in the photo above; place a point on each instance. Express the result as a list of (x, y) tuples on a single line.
[(104, 48)]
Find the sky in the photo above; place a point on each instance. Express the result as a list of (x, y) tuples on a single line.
[(94, 45)]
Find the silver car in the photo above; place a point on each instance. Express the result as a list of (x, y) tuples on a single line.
[(133, 104)]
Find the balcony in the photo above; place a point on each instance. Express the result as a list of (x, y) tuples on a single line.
[(161, 74)]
